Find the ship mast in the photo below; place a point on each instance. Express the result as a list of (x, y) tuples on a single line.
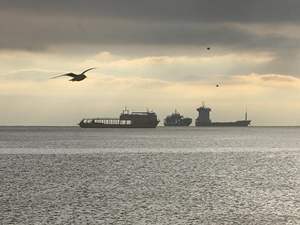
[(246, 114), (125, 110)]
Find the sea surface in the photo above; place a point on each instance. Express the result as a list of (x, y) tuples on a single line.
[(189, 175)]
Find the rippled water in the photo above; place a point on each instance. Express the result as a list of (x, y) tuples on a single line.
[(68, 175)]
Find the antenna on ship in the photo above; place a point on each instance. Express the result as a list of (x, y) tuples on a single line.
[(203, 105), (246, 114), (126, 110)]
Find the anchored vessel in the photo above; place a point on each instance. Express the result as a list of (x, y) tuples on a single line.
[(203, 120), (126, 120), (177, 120)]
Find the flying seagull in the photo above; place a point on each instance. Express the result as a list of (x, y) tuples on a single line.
[(208, 48), (76, 77)]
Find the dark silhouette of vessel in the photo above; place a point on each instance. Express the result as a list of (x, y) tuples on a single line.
[(126, 120), (177, 120), (203, 120)]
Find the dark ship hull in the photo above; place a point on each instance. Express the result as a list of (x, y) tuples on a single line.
[(83, 124), (185, 122), (126, 120), (241, 123)]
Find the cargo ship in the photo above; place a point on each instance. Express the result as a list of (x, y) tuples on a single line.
[(177, 120), (203, 120), (126, 120)]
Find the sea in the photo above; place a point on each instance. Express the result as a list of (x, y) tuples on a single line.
[(166, 175)]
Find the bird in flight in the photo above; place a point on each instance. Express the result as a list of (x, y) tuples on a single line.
[(76, 77), (208, 48)]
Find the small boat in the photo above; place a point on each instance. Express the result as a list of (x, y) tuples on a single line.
[(177, 120), (126, 120)]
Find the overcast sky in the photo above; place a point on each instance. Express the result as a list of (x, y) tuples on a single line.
[(149, 54)]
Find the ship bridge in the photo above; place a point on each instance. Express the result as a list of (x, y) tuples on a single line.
[(203, 116)]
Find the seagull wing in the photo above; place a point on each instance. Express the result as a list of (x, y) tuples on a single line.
[(88, 70), (67, 74)]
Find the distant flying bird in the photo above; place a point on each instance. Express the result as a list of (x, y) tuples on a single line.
[(76, 77), (217, 85), (208, 48)]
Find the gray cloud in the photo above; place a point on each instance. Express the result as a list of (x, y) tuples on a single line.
[(156, 27), (167, 10), (36, 25), (31, 33)]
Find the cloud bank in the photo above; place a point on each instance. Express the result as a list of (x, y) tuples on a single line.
[(149, 54)]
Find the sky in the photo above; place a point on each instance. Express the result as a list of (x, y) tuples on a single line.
[(149, 55)]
